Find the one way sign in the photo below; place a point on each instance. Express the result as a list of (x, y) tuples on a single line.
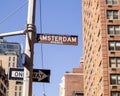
[(39, 75)]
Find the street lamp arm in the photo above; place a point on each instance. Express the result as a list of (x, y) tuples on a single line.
[(21, 32)]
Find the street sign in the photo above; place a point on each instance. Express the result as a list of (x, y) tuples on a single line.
[(57, 39), (39, 75), (16, 74)]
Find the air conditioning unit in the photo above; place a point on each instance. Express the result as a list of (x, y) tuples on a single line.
[(112, 52), (110, 20), (114, 87), (113, 69), (109, 5), (111, 35)]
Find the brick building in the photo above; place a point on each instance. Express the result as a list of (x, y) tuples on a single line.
[(72, 83), (101, 39)]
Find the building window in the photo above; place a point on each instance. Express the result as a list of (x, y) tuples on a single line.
[(20, 94), (9, 64), (19, 82), (100, 68), (114, 46), (20, 88), (115, 93), (9, 58), (113, 29), (112, 14), (13, 65), (110, 2), (100, 83), (15, 93), (15, 87), (13, 58), (117, 45), (115, 79), (114, 62)]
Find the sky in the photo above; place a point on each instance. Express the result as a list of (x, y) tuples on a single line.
[(57, 17)]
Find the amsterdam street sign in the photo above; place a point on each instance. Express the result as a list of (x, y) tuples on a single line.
[(39, 75), (57, 39)]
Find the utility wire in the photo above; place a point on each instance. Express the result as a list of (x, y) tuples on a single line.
[(44, 94), (41, 32), (15, 11)]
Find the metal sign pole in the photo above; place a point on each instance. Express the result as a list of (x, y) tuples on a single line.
[(30, 38)]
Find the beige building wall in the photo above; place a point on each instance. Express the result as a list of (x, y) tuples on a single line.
[(10, 61), (101, 33)]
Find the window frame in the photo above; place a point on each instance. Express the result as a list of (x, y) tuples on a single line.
[(113, 46), (113, 29), (111, 14), (114, 80), (111, 2), (114, 62), (115, 93)]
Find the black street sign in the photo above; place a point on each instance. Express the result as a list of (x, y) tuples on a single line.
[(39, 75), (16, 74), (57, 39)]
